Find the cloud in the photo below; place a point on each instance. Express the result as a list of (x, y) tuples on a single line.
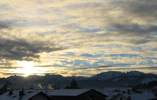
[(5, 24), (134, 28), (143, 9), (4, 7), (135, 16), (118, 33), (21, 49)]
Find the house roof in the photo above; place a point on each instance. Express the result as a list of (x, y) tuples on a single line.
[(30, 93), (15, 95), (67, 92), (71, 92)]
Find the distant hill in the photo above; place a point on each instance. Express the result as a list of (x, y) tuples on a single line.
[(105, 79)]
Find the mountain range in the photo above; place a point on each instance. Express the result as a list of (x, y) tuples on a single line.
[(102, 80)]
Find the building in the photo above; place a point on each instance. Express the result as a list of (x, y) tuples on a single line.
[(27, 95), (61, 94), (76, 94), (39, 96)]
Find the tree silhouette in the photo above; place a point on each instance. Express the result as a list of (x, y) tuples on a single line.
[(10, 93), (5, 87), (129, 98), (73, 85), (21, 94)]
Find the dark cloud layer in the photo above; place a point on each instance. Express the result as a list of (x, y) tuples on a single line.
[(5, 24), (137, 17), (143, 8), (20, 49), (134, 28)]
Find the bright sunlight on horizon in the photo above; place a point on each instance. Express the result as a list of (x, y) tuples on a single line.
[(28, 68)]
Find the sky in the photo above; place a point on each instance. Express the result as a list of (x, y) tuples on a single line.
[(77, 37)]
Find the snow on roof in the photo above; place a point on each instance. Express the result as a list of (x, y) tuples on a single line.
[(15, 95), (67, 92), (144, 96), (29, 93)]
